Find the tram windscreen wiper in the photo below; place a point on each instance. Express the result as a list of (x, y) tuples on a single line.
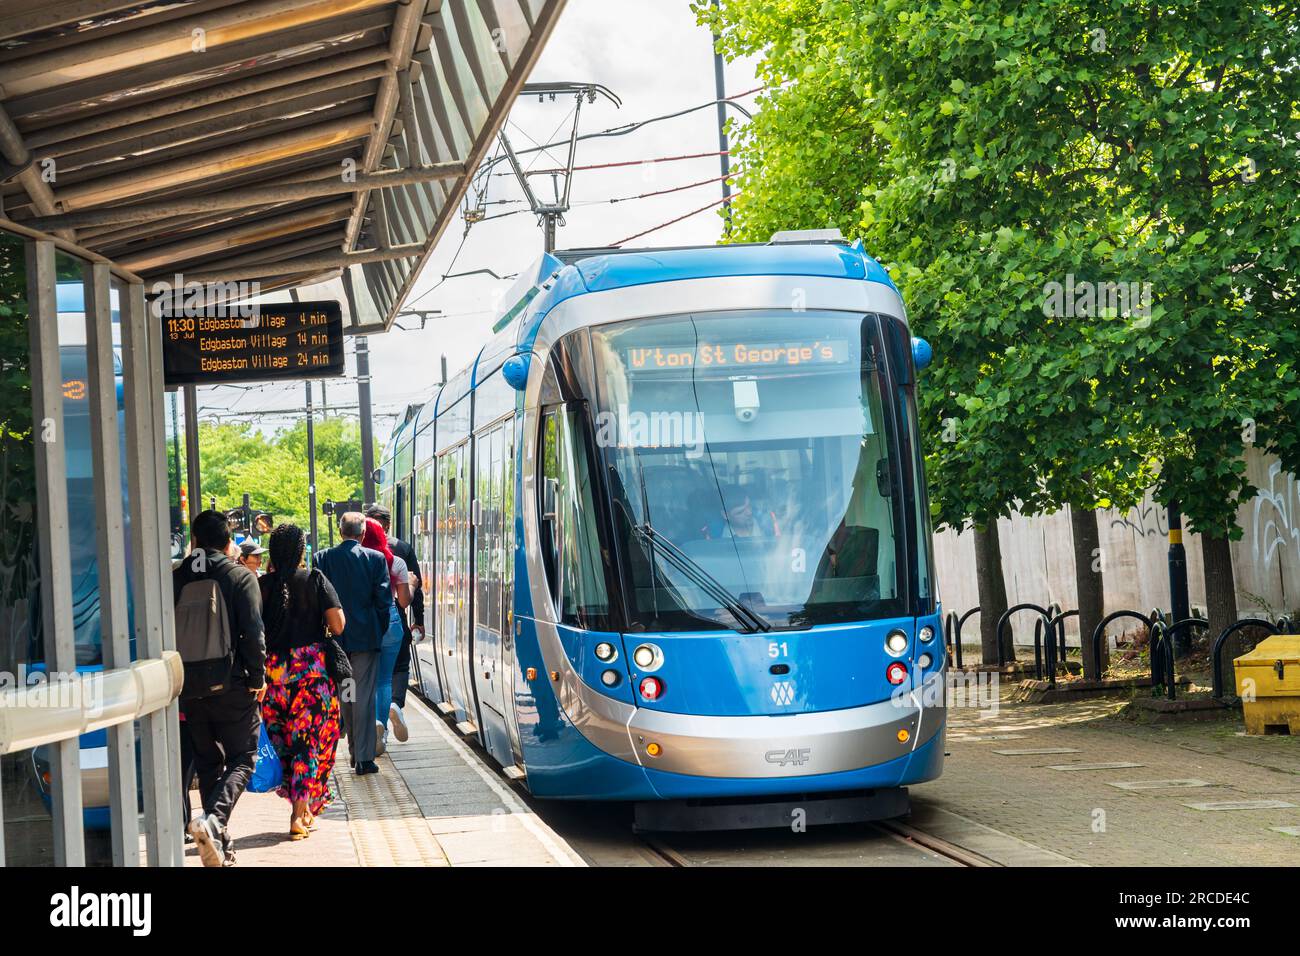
[(750, 620)]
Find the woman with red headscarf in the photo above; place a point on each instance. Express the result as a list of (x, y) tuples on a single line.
[(377, 540)]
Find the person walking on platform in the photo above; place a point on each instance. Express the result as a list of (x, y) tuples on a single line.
[(220, 640), (250, 555), (301, 709), (361, 580), (376, 540), (411, 619)]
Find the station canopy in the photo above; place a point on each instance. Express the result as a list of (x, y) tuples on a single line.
[(248, 140)]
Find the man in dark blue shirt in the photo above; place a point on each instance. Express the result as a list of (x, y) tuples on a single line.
[(360, 576)]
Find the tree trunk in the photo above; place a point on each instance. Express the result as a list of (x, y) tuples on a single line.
[(1089, 582), (993, 594), (1220, 592)]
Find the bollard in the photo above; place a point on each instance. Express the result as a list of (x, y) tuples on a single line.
[(1217, 655)]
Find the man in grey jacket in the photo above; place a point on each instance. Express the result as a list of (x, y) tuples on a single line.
[(360, 577)]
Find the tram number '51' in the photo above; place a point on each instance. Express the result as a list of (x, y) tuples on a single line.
[(778, 649)]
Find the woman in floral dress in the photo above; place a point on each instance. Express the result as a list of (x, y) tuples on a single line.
[(301, 709)]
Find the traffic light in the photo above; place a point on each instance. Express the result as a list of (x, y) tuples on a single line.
[(249, 521)]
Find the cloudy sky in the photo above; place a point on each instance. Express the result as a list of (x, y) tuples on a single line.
[(654, 56)]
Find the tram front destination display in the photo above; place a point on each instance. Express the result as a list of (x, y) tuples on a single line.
[(272, 341)]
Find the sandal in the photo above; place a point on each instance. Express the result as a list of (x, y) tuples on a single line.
[(298, 827)]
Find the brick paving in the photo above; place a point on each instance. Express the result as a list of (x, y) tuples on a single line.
[(1082, 815), (1029, 784), (433, 803), (260, 827)]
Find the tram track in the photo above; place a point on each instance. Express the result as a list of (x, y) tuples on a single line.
[(908, 834), (661, 853), (603, 837)]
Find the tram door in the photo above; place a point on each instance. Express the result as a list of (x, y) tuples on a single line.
[(493, 557), (453, 577), (426, 667)]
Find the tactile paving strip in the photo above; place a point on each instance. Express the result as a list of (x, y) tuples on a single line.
[(387, 826)]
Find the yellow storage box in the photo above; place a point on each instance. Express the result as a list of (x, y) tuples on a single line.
[(1268, 683)]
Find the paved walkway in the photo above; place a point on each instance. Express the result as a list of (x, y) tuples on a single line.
[(1029, 784), (433, 803), (1106, 791)]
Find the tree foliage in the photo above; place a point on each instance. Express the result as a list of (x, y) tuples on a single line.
[(236, 458), (986, 150)]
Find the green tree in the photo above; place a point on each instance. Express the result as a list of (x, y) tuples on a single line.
[(17, 454), (221, 447), (338, 446), (277, 482), (1021, 144), (238, 458)]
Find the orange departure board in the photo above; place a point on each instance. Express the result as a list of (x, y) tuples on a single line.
[(281, 341)]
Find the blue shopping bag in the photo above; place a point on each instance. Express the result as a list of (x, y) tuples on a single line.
[(267, 773)]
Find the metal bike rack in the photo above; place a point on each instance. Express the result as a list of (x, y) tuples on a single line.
[(1056, 650), (952, 632), (1006, 616), (1216, 656), (1099, 635)]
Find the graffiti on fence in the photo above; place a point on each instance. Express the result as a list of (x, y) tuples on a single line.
[(1146, 519), (1274, 521)]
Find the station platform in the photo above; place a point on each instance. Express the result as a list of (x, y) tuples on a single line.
[(434, 802), (1060, 784)]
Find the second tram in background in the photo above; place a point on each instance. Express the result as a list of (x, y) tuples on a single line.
[(673, 527)]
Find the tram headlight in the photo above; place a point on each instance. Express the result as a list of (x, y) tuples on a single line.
[(926, 634), (609, 678), (648, 657), (605, 651), (896, 643), (924, 661)]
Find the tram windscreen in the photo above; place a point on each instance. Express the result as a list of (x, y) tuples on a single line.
[(761, 446)]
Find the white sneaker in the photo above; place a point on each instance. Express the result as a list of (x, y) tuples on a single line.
[(207, 837), (381, 739), (398, 720)]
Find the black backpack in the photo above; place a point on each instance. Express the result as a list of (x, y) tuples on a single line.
[(203, 639)]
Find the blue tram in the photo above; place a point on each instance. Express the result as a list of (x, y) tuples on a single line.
[(674, 534)]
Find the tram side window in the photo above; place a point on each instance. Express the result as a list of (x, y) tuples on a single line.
[(570, 539)]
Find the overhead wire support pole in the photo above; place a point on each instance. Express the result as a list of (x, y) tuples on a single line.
[(551, 215), (367, 426), (193, 475), (573, 147), (720, 84), (519, 172), (311, 468)]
